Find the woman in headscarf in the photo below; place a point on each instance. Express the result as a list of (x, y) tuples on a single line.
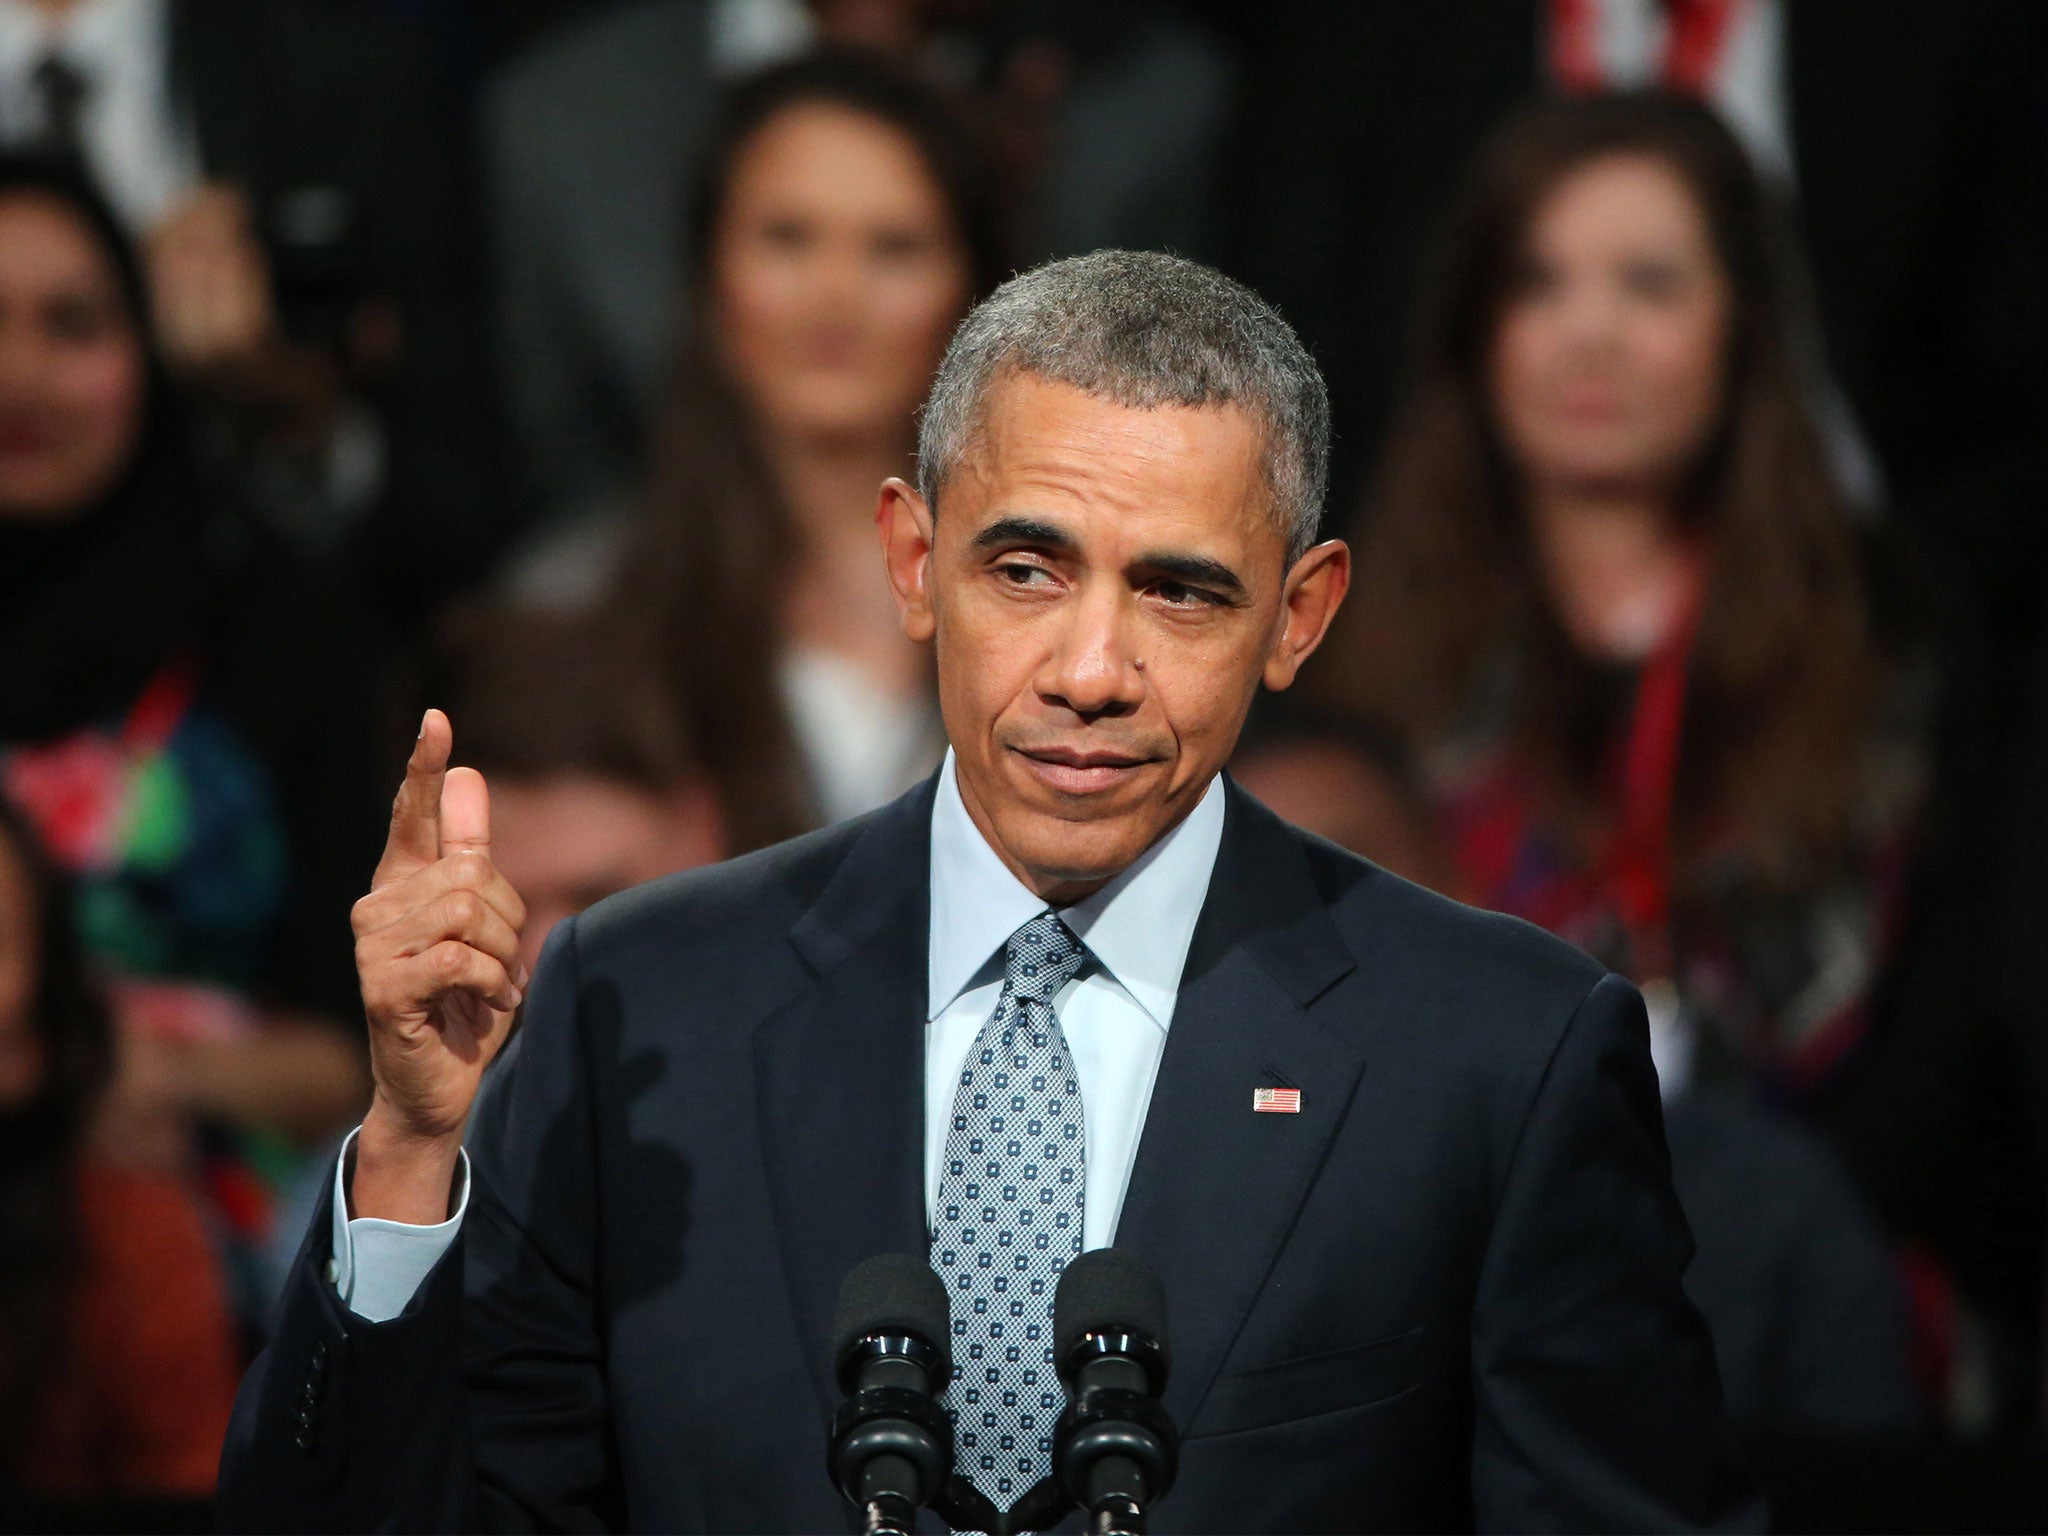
[(188, 723)]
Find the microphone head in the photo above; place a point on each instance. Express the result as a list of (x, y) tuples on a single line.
[(893, 1293), (1108, 1290)]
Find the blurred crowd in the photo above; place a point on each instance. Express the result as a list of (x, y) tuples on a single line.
[(540, 360)]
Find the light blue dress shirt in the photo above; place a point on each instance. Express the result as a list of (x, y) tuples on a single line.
[(1115, 1015)]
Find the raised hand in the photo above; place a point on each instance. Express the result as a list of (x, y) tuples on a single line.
[(211, 294), (210, 284), (437, 944)]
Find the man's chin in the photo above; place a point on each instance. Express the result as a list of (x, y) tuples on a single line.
[(1065, 841), (1062, 852)]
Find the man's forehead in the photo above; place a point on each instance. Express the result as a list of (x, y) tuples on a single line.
[(1055, 446)]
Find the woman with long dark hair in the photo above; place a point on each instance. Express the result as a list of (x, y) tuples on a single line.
[(188, 721), (1615, 661), (1611, 601), (844, 222)]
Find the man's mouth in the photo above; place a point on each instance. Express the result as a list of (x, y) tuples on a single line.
[(1073, 771)]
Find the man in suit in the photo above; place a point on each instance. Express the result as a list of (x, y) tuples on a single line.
[(1439, 1287)]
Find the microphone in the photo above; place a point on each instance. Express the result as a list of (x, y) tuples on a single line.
[(1115, 1449), (892, 1444)]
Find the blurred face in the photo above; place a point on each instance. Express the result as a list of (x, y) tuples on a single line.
[(567, 842), (21, 1053), (1606, 370), (837, 275), (71, 364), (1106, 588), (1337, 791)]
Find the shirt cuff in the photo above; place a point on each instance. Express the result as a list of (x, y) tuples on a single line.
[(378, 1264)]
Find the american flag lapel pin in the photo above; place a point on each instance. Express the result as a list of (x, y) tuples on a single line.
[(1276, 1101)]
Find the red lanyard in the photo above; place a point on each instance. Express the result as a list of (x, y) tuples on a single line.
[(1639, 865), (1699, 31)]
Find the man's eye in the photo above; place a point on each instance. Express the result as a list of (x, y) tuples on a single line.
[(1021, 575), (1179, 595)]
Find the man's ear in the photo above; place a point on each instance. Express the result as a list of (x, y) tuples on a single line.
[(1308, 601), (904, 521)]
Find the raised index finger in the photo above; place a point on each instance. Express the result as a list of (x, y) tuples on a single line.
[(415, 836)]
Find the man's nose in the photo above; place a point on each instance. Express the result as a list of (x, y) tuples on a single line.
[(1095, 670)]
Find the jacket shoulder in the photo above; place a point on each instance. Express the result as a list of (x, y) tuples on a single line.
[(743, 899), (1374, 908), (1500, 984), (751, 889)]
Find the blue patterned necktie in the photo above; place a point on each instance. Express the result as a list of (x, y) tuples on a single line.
[(1008, 1216)]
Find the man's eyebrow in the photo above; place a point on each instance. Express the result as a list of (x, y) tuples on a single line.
[(1023, 530), (1197, 570), (1177, 565)]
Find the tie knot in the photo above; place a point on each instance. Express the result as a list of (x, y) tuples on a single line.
[(63, 88), (57, 76), (1040, 958)]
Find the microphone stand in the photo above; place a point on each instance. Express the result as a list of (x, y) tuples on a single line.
[(1115, 1449), (1038, 1509), (892, 1445), (1117, 1514), (966, 1508), (1047, 1500), (887, 1514)]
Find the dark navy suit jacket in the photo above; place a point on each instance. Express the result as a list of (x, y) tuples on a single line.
[(1445, 1294)]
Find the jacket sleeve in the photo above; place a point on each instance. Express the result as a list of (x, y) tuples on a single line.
[(481, 1406), (1597, 1403)]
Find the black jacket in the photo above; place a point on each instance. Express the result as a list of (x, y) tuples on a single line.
[(1445, 1293)]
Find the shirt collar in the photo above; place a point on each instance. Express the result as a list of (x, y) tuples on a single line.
[(1138, 926), (109, 34)]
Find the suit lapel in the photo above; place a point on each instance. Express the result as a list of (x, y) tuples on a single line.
[(1216, 1187), (839, 1075)]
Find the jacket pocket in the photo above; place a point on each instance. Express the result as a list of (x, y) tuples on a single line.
[(1311, 1384)]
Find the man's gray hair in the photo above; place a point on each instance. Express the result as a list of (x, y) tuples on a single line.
[(1143, 329)]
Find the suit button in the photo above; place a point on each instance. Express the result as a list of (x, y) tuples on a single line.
[(304, 1441), (319, 1358), (309, 1391), (305, 1417)]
